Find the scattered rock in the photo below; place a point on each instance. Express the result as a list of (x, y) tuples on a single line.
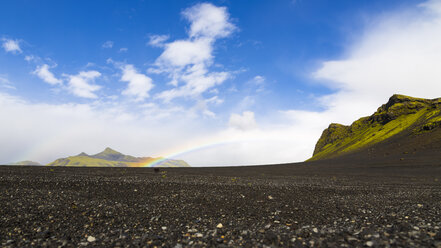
[(91, 239), (189, 210)]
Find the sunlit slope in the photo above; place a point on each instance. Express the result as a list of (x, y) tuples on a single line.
[(401, 114), (112, 158), (90, 161), (26, 162)]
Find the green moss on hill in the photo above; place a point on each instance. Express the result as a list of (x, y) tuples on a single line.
[(26, 162), (398, 114), (85, 161), (112, 158)]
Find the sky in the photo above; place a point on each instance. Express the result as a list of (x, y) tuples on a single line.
[(212, 82)]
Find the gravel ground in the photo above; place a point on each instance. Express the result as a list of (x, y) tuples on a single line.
[(122, 207)]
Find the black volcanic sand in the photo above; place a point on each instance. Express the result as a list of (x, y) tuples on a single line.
[(298, 205)]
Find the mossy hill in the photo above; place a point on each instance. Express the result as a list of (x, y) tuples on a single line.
[(413, 116), (26, 162), (112, 158)]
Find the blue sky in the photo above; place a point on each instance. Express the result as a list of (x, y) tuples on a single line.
[(215, 83)]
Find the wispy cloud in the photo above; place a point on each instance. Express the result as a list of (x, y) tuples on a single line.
[(107, 44), (196, 83), (258, 82), (47, 76), (202, 106), (29, 58), (157, 40), (5, 83), (123, 49), (82, 85), (12, 46)]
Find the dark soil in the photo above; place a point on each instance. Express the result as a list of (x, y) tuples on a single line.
[(324, 204)]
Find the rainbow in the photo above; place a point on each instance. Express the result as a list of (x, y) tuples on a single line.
[(182, 151)]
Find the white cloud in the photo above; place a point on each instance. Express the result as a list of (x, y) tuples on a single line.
[(159, 112), (158, 40), (81, 85), (202, 106), (29, 58), (123, 49), (214, 91), (244, 122), (107, 44), (139, 84), (5, 83), (12, 46), (186, 52), (401, 54), (47, 76), (196, 83), (208, 20), (187, 62), (258, 82)]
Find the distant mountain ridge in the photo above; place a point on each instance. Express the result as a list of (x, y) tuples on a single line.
[(403, 125), (26, 162), (112, 155), (112, 158)]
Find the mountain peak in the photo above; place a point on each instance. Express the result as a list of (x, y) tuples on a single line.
[(403, 98), (112, 155), (404, 102), (109, 150)]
